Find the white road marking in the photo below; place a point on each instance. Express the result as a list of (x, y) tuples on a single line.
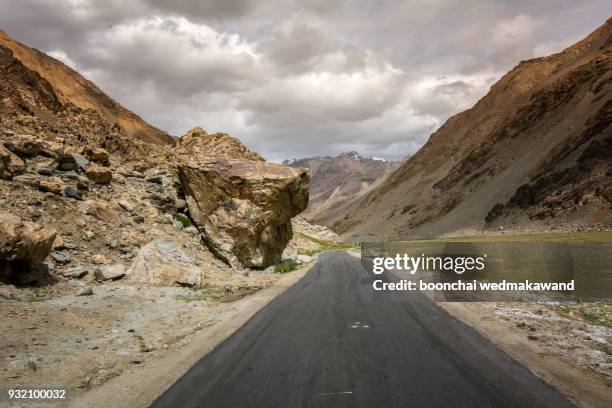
[(336, 393)]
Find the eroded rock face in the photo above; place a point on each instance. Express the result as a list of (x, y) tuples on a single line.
[(162, 262), (197, 144), (243, 208)]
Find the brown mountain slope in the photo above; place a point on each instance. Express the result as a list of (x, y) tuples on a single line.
[(71, 87), (336, 183), (535, 152), (31, 109), (23, 90)]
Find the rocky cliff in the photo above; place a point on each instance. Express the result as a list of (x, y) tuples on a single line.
[(533, 154), (101, 191), (338, 183)]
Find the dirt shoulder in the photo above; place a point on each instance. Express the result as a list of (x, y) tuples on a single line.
[(569, 354), (568, 344), (140, 385), (126, 343)]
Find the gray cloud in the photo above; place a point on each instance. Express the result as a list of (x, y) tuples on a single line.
[(206, 10), (292, 79), (301, 44)]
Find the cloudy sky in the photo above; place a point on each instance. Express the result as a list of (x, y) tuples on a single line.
[(300, 78)]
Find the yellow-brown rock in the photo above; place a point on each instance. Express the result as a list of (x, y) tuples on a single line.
[(24, 241), (243, 208), (10, 164), (99, 174)]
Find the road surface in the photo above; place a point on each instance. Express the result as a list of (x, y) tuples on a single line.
[(330, 341)]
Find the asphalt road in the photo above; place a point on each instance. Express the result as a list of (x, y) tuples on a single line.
[(330, 341)]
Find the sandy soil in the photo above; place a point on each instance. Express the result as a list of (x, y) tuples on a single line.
[(125, 344)]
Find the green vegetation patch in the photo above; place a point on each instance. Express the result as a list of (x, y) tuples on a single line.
[(595, 313), (216, 293), (309, 252), (325, 245), (286, 267), (595, 236), (183, 219)]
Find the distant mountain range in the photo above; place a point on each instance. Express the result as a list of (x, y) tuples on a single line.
[(337, 183), (534, 154)]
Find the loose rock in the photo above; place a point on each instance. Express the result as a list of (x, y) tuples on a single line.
[(180, 204), (99, 174), (67, 162), (126, 205), (50, 186), (163, 262), (75, 273), (85, 292), (27, 180), (73, 193), (98, 155), (10, 164), (24, 146), (109, 272), (61, 257)]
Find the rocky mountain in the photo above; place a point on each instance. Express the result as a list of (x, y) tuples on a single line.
[(88, 189), (534, 153), (338, 183), (103, 231), (71, 88)]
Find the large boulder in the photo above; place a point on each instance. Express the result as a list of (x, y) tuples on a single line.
[(10, 164), (23, 246), (162, 262), (243, 208), (22, 240)]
